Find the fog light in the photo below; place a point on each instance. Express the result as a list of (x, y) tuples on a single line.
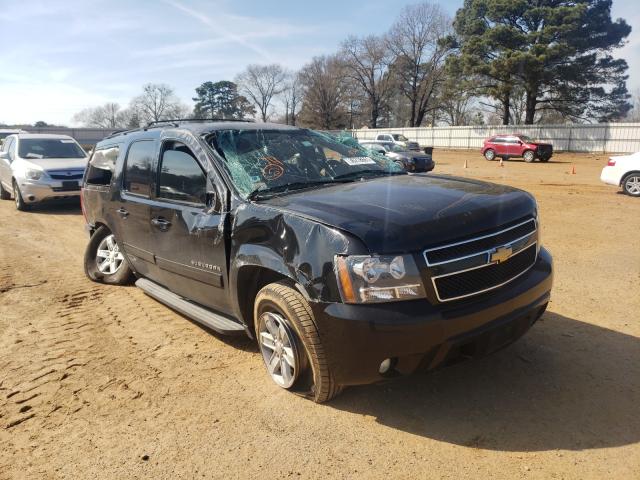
[(385, 366)]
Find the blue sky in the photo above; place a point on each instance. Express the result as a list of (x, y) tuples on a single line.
[(58, 57)]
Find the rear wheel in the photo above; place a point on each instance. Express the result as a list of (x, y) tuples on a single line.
[(529, 156), (400, 164), (290, 344), (490, 155), (4, 194), (103, 260), (631, 184), (17, 196)]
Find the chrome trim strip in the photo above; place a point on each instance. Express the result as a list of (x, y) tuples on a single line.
[(435, 288), (424, 253)]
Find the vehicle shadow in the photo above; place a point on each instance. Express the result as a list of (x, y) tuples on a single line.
[(62, 208), (566, 385)]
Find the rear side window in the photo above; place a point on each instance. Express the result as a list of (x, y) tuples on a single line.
[(102, 165), (180, 176), (137, 170)]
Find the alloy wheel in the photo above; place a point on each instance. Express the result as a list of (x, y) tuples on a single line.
[(632, 185), (278, 349), (109, 259)]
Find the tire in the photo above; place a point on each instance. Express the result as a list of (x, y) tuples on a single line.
[(114, 269), (400, 164), (631, 184), (490, 154), (544, 160), (529, 156), (280, 305), (4, 194), (20, 203)]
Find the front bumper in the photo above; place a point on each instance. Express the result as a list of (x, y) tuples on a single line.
[(417, 335), (45, 190)]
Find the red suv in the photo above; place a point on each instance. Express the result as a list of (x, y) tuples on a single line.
[(507, 146)]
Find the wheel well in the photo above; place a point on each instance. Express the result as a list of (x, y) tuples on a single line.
[(636, 172), (97, 225), (250, 280)]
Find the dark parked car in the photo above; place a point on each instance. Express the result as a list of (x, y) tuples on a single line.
[(343, 267), (508, 146), (409, 160)]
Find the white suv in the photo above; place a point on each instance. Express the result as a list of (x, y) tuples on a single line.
[(623, 171), (398, 139), (40, 167)]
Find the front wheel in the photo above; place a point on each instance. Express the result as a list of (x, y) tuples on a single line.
[(490, 155), (20, 203), (529, 156), (631, 184), (290, 344), (103, 260)]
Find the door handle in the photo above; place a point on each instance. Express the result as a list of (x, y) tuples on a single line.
[(161, 223), (122, 212)]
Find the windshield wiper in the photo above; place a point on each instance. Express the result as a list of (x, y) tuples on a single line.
[(286, 188)]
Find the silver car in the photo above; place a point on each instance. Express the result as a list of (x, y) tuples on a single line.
[(40, 167)]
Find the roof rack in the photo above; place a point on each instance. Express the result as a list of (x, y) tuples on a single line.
[(175, 123), (203, 120)]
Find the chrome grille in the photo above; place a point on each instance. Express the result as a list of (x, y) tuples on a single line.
[(479, 245), (70, 174), (481, 279), (477, 265)]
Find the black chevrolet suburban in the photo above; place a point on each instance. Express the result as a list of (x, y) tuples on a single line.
[(344, 268)]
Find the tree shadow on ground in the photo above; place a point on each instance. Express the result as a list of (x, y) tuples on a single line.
[(566, 385)]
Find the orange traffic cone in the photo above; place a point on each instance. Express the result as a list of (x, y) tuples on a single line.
[(573, 169), (465, 163), (501, 162)]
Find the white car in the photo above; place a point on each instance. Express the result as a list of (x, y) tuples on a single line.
[(40, 167), (623, 171)]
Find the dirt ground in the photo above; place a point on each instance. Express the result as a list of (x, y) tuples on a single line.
[(104, 382)]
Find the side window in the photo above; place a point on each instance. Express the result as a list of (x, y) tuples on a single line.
[(137, 170), (12, 149), (180, 176), (102, 165), (498, 140)]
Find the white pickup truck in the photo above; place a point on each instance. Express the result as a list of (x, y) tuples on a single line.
[(398, 139)]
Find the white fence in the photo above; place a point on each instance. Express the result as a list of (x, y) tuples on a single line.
[(602, 137)]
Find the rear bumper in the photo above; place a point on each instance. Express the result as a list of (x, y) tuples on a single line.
[(417, 335), (33, 192), (610, 176)]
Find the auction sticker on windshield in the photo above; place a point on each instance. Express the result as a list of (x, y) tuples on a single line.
[(358, 160)]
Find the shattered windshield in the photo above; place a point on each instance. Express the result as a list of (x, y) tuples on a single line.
[(263, 161)]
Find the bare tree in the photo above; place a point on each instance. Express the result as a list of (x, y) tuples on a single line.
[(108, 115), (292, 97), (157, 102), (418, 40), (366, 62), (260, 84), (323, 104)]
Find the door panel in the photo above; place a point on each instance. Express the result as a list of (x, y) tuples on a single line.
[(132, 209), (187, 235)]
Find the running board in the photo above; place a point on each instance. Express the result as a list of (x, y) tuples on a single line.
[(201, 315)]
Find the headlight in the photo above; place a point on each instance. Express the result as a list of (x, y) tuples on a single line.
[(33, 174), (369, 279)]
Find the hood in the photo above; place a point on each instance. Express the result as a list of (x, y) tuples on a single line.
[(57, 163), (410, 212)]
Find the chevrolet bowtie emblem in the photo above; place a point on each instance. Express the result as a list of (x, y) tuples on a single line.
[(501, 254)]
